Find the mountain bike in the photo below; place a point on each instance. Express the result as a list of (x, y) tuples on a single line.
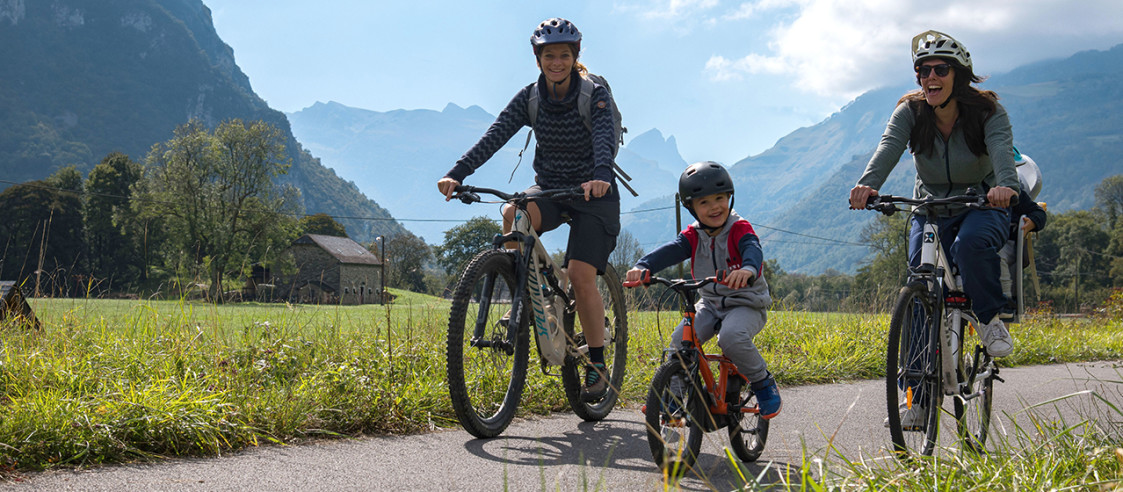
[(500, 295), (933, 350), (686, 400)]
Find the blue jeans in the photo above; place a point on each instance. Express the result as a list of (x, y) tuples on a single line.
[(972, 240)]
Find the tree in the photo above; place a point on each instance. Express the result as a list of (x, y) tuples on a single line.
[(1109, 198), (464, 241), (41, 236), (111, 228), (406, 255), (323, 224), (1070, 258), (627, 252), (215, 192), (877, 281)]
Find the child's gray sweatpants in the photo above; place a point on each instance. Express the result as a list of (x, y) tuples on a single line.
[(739, 325)]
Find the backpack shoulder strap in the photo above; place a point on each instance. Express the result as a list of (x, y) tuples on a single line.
[(585, 102), (532, 104)]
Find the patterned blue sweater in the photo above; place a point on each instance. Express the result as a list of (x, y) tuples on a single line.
[(566, 153)]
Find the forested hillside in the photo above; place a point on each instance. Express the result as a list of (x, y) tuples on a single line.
[(81, 79)]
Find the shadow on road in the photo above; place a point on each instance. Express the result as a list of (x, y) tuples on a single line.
[(598, 449)]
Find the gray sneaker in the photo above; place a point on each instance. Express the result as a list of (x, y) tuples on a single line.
[(996, 338), (912, 419)]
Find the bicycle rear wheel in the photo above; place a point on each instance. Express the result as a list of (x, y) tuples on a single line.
[(747, 431), (912, 376), (486, 375), (973, 404), (615, 350), (674, 403)]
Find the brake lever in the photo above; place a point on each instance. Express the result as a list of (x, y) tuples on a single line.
[(468, 197)]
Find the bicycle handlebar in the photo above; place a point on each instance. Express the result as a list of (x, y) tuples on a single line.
[(470, 194), (887, 204), (678, 285)]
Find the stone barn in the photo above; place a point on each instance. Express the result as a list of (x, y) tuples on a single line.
[(334, 270)]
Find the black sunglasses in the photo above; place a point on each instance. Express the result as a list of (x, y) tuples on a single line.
[(926, 70)]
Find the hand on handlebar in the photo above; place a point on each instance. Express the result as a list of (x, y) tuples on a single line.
[(447, 187), (860, 195), (736, 279), (1001, 196), (596, 188), (637, 277)]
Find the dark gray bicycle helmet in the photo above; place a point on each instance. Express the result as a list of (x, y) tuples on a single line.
[(701, 179), (553, 31)]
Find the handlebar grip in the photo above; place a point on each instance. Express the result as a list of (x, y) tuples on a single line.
[(644, 280)]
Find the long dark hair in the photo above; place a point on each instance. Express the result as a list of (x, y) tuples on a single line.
[(975, 106)]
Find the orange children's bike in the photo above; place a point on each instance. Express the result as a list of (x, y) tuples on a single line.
[(686, 400)]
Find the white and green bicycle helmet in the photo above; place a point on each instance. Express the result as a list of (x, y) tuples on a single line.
[(933, 44)]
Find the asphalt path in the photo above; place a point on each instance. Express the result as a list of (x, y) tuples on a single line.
[(818, 424)]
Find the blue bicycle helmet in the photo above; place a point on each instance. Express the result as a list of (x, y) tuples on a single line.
[(553, 31)]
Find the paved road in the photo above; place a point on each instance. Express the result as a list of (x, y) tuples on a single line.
[(565, 453)]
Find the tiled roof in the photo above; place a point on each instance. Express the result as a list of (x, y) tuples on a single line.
[(344, 249)]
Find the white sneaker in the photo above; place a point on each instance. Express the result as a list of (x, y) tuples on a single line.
[(915, 418), (996, 338)]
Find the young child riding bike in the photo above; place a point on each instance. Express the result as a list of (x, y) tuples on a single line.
[(737, 310)]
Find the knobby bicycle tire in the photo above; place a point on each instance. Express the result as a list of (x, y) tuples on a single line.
[(748, 432), (673, 408), (615, 350), (485, 383), (912, 361)]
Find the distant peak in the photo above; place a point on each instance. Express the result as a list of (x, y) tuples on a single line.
[(451, 107)]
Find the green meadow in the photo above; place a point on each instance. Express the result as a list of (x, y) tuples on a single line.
[(110, 381)]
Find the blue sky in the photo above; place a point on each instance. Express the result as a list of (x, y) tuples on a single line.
[(726, 78)]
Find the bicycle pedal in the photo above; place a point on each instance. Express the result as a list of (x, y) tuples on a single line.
[(675, 422)]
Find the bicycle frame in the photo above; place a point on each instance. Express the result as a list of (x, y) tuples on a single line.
[(936, 271), (542, 280), (539, 279), (692, 354)]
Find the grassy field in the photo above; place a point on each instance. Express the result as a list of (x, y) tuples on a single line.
[(113, 381)]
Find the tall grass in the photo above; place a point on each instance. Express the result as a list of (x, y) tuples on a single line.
[(111, 381)]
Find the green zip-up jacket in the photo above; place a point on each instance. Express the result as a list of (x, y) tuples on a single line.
[(951, 168)]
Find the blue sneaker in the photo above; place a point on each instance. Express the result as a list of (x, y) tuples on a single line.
[(767, 397)]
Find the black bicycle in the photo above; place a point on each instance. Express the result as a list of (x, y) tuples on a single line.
[(501, 294)]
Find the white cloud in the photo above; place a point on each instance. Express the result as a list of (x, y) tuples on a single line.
[(667, 9), (840, 48)]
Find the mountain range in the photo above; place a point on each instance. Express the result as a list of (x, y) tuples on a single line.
[(396, 158), (81, 79), (1064, 112)]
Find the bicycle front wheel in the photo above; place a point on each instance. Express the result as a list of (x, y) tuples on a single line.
[(912, 376), (487, 360), (674, 405), (976, 373), (615, 350), (747, 431)]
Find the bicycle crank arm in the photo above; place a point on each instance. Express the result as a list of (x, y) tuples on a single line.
[(506, 347)]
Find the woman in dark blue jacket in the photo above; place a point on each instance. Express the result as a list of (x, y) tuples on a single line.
[(567, 154)]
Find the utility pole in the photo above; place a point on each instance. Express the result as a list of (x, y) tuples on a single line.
[(678, 226), (382, 293)]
